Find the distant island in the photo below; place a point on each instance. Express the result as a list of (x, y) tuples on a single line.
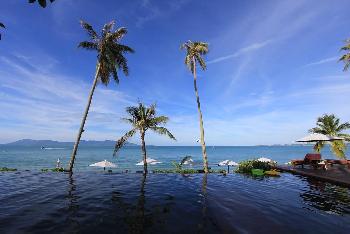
[(50, 143)]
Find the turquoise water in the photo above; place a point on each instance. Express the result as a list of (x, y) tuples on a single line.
[(34, 158)]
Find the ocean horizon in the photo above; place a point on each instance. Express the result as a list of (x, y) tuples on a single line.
[(36, 158)]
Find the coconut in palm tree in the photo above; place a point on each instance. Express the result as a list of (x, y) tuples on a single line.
[(110, 59), (330, 125), (143, 118), (194, 53)]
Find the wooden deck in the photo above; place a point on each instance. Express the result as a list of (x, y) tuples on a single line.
[(338, 174)]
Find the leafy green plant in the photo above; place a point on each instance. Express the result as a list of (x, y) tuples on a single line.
[(60, 169), (7, 169), (185, 171), (247, 166), (186, 160)]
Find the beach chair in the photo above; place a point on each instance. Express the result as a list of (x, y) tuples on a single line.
[(332, 162), (309, 159)]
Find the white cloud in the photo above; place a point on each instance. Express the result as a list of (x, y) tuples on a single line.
[(49, 105), (322, 61), (244, 50)]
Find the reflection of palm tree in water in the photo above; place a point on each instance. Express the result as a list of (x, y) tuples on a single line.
[(137, 226), (202, 225), (73, 206), (137, 217), (326, 197)]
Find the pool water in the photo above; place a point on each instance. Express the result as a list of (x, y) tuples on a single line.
[(98, 202)]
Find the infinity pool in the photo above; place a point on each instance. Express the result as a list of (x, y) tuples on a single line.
[(169, 203)]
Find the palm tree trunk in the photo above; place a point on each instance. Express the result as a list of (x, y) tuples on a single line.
[(204, 151), (81, 129), (143, 147)]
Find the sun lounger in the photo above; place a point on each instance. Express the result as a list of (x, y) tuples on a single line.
[(332, 162), (309, 159)]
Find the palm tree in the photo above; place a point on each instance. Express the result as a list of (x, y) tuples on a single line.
[(141, 119), (330, 125), (346, 57), (195, 51), (110, 59)]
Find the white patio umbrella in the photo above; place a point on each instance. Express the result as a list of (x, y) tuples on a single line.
[(103, 164), (227, 163), (150, 161), (315, 137)]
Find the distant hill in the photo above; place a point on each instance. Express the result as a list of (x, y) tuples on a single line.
[(50, 143)]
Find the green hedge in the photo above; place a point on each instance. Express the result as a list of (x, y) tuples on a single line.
[(247, 166), (7, 169), (185, 171), (61, 169)]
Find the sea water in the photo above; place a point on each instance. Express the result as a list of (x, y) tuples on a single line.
[(97, 202), (35, 158)]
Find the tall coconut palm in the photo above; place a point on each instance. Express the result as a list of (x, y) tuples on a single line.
[(110, 59), (194, 53), (143, 118), (346, 57), (330, 125)]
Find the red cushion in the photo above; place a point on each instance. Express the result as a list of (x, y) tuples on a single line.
[(309, 157)]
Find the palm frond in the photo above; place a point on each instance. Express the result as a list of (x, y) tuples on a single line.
[(163, 131), (343, 126), (118, 34), (338, 148), (128, 120), (88, 45), (160, 120), (107, 28), (345, 136), (318, 146), (346, 59), (201, 47), (120, 143), (201, 62), (89, 29), (189, 63)]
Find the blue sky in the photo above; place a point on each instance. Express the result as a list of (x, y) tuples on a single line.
[(272, 69)]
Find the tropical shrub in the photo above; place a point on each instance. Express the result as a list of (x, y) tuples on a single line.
[(7, 169), (186, 171), (60, 169), (247, 166)]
